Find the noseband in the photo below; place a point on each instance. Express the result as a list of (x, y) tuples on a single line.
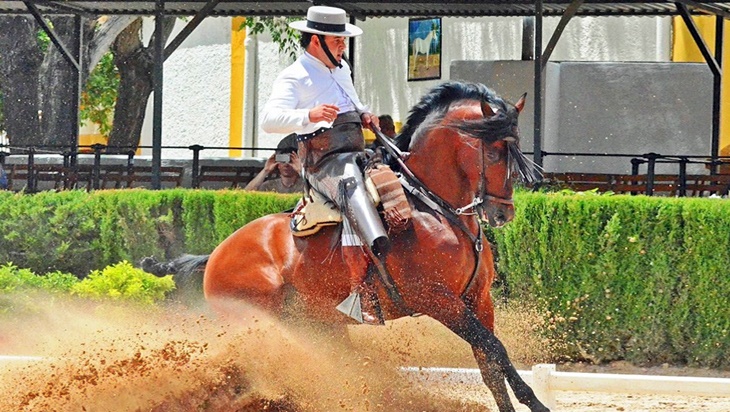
[(482, 196)]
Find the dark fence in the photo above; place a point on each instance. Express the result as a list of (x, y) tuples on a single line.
[(675, 180), (100, 167), (104, 167)]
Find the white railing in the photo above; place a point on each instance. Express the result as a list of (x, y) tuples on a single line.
[(4, 142), (545, 381)]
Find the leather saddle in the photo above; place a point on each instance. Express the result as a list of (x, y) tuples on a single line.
[(314, 211)]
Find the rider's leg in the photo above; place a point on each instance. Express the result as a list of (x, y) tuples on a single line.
[(362, 304), (340, 178)]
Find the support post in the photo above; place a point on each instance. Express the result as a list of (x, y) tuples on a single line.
[(159, 57), (537, 137)]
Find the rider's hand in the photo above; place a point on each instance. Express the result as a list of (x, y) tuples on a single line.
[(323, 113), (370, 120)]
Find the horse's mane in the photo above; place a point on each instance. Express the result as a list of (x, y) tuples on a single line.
[(436, 103), (439, 99)]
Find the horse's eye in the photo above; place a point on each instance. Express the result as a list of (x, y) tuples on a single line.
[(492, 156)]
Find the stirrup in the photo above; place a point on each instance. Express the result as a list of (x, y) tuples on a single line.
[(351, 307)]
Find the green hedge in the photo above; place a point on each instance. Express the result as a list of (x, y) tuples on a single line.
[(644, 279), (620, 277), (21, 289), (77, 232)]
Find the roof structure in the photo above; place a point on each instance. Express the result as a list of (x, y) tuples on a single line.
[(368, 8)]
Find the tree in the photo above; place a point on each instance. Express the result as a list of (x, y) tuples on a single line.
[(37, 82), (135, 63), (20, 63)]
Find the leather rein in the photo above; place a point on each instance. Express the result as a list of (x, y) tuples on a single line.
[(420, 191)]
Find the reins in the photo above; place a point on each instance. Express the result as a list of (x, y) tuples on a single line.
[(420, 191)]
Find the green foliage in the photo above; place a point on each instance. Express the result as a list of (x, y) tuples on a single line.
[(46, 232), (278, 27), (124, 282), (77, 232), (42, 38), (624, 277), (20, 289), (13, 279), (100, 95)]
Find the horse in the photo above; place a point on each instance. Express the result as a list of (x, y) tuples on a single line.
[(463, 154), (422, 46)]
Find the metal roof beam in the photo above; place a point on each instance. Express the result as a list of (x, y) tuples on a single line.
[(192, 24), (706, 7), (567, 16), (52, 34), (709, 58)]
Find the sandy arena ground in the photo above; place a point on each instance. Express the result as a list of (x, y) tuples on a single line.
[(103, 357)]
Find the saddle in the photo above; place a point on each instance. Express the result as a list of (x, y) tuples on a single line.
[(314, 211)]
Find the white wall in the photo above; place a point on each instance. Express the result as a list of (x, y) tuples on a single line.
[(196, 93), (197, 75), (381, 55)]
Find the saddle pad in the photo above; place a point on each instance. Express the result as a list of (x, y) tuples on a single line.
[(312, 214), (396, 210)]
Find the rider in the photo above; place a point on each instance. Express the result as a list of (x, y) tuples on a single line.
[(315, 98)]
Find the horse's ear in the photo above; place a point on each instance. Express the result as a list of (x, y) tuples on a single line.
[(487, 110), (521, 103)]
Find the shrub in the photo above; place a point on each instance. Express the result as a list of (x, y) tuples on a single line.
[(124, 282), (624, 277)]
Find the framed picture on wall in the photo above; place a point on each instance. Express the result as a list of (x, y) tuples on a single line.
[(424, 49)]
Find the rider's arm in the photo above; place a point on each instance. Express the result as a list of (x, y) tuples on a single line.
[(280, 114)]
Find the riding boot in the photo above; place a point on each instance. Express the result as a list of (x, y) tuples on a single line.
[(362, 304)]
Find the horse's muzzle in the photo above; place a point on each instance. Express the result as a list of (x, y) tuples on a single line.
[(497, 214)]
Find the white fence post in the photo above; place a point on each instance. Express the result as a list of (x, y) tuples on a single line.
[(541, 375)]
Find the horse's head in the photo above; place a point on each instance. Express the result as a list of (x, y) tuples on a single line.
[(468, 130)]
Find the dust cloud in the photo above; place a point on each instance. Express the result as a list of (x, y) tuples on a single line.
[(114, 357)]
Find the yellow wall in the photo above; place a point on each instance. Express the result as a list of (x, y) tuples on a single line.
[(684, 49), (370, 136), (90, 139), (238, 63)]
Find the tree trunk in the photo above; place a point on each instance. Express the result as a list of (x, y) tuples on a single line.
[(19, 68), (36, 84), (57, 90), (135, 63)]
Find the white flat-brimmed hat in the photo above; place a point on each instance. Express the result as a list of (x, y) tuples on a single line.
[(330, 21)]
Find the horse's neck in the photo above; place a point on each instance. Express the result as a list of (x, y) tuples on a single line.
[(440, 175)]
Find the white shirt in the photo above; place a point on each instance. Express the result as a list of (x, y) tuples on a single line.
[(305, 84)]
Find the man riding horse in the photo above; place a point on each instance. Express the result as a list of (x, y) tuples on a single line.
[(315, 98)]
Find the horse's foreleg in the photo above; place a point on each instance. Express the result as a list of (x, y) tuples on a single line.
[(494, 379), (496, 363), (496, 359), (481, 304)]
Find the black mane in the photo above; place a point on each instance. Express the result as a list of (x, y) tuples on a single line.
[(502, 125), (438, 101)]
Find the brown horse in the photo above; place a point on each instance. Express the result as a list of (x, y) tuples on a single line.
[(463, 151)]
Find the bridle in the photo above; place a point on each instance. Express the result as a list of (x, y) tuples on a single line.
[(413, 185), (482, 196)]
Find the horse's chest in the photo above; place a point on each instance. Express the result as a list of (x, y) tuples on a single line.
[(434, 230)]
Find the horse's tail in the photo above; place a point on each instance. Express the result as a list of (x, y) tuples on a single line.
[(187, 270)]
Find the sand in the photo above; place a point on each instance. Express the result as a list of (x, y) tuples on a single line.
[(112, 357)]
